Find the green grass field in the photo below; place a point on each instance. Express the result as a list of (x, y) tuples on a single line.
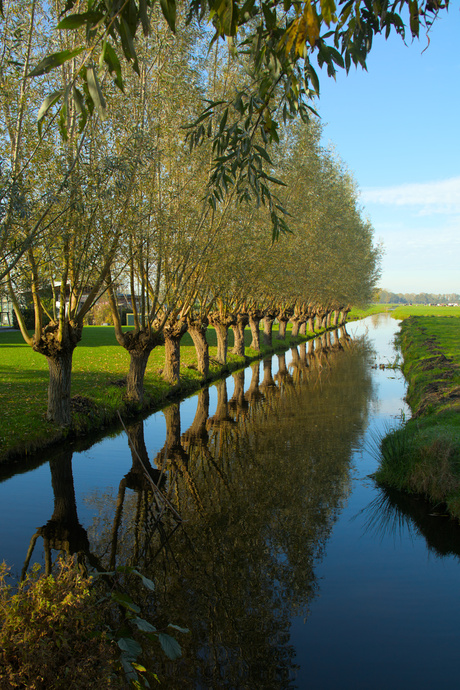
[(403, 311), (99, 367), (399, 311)]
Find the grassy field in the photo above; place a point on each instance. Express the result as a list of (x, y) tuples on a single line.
[(403, 311), (355, 314), (423, 457), (99, 368)]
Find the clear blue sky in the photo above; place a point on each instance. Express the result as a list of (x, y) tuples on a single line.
[(397, 127)]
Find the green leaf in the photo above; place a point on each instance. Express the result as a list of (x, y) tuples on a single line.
[(312, 76), (48, 103), (177, 627), (73, 21), (126, 601), (168, 7), (263, 153), (63, 122), (128, 44), (79, 101), (144, 17), (227, 13), (127, 644), (95, 92), (144, 625), (110, 57), (223, 121), (328, 11), (54, 60), (145, 581), (170, 646)]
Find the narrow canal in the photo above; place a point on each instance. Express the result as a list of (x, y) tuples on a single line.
[(290, 568)]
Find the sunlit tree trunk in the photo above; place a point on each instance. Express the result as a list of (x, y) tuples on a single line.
[(221, 324), (238, 327), (197, 329), (295, 320), (173, 332), (283, 317), (59, 352), (139, 345), (268, 320), (254, 324)]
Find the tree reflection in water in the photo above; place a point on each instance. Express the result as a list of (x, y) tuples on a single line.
[(258, 487)]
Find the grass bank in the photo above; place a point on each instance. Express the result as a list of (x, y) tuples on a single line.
[(423, 456), (98, 385), (356, 314)]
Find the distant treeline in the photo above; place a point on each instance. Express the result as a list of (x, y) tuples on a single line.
[(386, 297)]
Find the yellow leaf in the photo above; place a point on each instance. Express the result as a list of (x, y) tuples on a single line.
[(312, 23)]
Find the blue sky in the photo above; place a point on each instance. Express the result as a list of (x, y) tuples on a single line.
[(397, 127)]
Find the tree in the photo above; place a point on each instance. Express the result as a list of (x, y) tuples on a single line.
[(96, 169), (278, 42)]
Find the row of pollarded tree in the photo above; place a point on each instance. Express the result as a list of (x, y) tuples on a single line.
[(120, 200)]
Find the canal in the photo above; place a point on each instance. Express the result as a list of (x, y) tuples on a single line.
[(267, 537)]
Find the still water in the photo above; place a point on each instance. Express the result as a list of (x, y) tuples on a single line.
[(290, 568)]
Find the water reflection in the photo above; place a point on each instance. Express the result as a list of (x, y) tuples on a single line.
[(231, 516), (394, 512), (258, 485)]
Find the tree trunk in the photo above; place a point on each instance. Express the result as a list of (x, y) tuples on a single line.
[(268, 329), (303, 327), (173, 333), (58, 353), (222, 342), (336, 317), (242, 321), (221, 325), (139, 345), (135, 379), (254, 325), (282, 328), (295, 327), (197, 329), (344, 314), (311, 324), (60, 371)]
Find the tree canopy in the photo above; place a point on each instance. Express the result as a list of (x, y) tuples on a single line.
[(281, 45)]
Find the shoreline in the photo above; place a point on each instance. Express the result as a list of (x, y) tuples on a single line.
[(422, 457)]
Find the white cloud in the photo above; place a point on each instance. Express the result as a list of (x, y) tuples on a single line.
[(442, 196)]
